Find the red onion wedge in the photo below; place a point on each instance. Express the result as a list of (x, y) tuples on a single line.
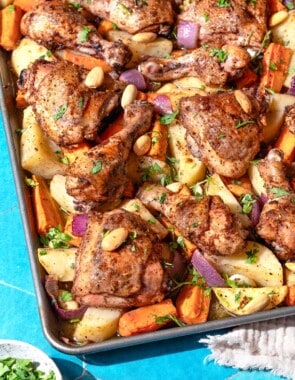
[(255, 213), (187, 34), (162, 105), (263, 198), (79, 224), (206, 270), (291, 90), (51, 287), (133, 76)]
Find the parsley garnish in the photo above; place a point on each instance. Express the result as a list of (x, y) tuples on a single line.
[(30, 182), (278, 192), (165, 318), (66, 296), (163, 198), (247, 202), (97, 166), (17, 369), (251, 256), (169, 118), (60, 112), (219, 53), (223, 3), (55, 238), (84, 33), (125, 9), (273, 66), (241, 124)]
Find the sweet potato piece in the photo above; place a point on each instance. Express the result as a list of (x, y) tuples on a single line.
[(239, 187), (113, 128), (144, 319), (290, 298), (20, 100), (275, 65), (286, 142), (46, 209), (275, 6), (104, 27), (85, 61), (159, 136), (247, 79), (193, 304), (10, 26), (76, 150)]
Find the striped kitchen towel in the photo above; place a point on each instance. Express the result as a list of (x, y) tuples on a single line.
[(268, 345)]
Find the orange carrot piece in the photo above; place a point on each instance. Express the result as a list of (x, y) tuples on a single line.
[(193, 304), (10, 26), (46, 209), (240, 186), (275, 64), (76, 240), (104, 27), (286, 142), (159, 136), (85, 61), (290, 299), (20, 99), (76, 150), (114, 127), (144, 319), (26, 5), (141, 95), (275, 6), (247, 79)]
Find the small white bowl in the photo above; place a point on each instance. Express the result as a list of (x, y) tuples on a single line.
[(22, 350)]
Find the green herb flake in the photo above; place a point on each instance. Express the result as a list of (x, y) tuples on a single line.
[(55, 238), (272, 66), (42, 252), (60, 112), (169, 118), (219, 53), (269, 90), (238, 296), (241, 124), (180, 241), (84, 33), (206, 17), (126, 10), (251, 256), (76, 5), (11, 8), (247, 202), (152, 220), (278, 192), (163, 198), (96, 168), (161, 320), (30, 182), (21, 369), (66, 296), (223, 3)]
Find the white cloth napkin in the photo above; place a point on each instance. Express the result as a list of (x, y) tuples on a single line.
[(268, 345)]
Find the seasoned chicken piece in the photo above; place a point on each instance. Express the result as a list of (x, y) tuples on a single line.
[(57, 25), (126, 276), (208, 223), (99, 175), (290, 118), (238, 22), (227, 137), (277, 221), (134, 16), (66, 109), (212, 66)]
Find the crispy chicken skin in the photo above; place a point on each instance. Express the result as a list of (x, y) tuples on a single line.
[(208, 223), (277, 221), (107, 184), (242, 23), (66, 109), (58, 25), (134, 16), (226, 136), (131, 275), (200, 62)]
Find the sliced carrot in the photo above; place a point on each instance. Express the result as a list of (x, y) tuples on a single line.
[(247, 79), (76, 240), (275, 6), (290, 299), (188, 246), (85, 61), (240, 186), (286, 142), (159, 136), (46, 209), (20, 99), (275, 65), (141, 95), (10, 26), (76, 150), (26, 5), (146, 319), (112, 128), (104, 27), (193, 304)]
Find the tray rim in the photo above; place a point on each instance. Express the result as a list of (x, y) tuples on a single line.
[(46, 313)]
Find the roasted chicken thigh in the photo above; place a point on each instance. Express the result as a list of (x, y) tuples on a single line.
[(208, 223), (277, 221), (99, 175), (134, 16), (130, 275), (57, 25), (225, 129), (66, 109)]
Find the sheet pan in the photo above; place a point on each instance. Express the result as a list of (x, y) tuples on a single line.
[(12, 122)]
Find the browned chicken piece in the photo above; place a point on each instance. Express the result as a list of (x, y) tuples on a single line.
[(277, 221), (129, 275), (134, 16), (99, 175), (208, 223), (66, 109), (58, 25), (227, 137), (290, 118), (241, 22), (212, 66)]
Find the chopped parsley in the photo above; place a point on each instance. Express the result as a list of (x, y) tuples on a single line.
[(272, 66), (169, 118), (223, 3), (55, 238), (247, 202), (18, 369), (125, 9), (166, 318), (278, 192), (96, 168), (66, 296), (241, 124), (60, 112), (219, 53), (84, 33), (251, 256), (30, 182), (163, 198), (206, 17)]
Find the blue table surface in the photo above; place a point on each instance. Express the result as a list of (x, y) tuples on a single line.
[(19, 319)]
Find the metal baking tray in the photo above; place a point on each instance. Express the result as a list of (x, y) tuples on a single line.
[(49, 321)]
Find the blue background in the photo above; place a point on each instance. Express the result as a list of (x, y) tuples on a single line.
[(172, 359)]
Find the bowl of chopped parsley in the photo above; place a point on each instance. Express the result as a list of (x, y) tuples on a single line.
[(20, 361)]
